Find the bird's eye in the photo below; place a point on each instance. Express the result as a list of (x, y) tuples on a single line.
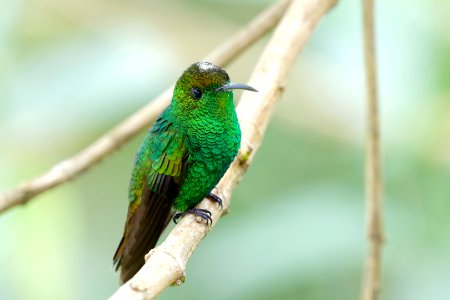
[(196, 93)]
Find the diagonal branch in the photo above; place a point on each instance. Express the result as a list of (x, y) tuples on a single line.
[(122, 133), (372, 271), (166, 263)]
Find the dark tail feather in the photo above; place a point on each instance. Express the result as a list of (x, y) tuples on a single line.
[(142, 232), (118, 255)]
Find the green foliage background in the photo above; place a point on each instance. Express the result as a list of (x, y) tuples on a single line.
[(69, 70)]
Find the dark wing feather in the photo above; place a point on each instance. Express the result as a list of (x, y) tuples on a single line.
[(154, 186)]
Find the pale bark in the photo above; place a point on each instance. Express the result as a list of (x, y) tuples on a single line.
[(374, 200)]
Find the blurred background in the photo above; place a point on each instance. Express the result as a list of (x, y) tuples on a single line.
[(70, 70)]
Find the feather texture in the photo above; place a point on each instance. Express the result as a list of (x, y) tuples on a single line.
[(182, 158), (153, 188)]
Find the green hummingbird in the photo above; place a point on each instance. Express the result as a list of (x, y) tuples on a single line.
[(180, 161)]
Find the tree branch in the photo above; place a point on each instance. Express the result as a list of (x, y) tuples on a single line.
[(122, 133), (372, 271), (165, 265)]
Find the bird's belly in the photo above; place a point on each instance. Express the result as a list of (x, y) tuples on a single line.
[(211, 152), (200, 178)]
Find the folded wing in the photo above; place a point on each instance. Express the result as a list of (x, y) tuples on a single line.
[(154, 185)]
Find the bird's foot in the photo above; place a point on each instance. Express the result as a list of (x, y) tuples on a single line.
[(199, 212), (216, 199)]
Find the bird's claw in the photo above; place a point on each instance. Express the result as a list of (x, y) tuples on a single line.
[(199, 212), (216, 199)]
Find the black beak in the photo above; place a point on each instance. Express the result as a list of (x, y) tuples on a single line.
[(235, 86)]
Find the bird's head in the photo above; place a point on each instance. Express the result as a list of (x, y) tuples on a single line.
[(205, 88)]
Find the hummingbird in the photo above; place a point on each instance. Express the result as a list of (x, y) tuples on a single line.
[(181, 159)]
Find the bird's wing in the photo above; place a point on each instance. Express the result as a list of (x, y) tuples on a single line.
[(154, 185)]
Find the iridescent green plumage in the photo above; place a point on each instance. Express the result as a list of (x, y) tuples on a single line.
[(181, 159)]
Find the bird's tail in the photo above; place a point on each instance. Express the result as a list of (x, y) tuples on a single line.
[(146, 222)]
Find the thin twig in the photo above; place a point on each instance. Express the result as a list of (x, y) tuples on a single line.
[(166, 263), (122, 133), (372, 271)]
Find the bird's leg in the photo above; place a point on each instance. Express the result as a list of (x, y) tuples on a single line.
[(199, 212), (215, 198)]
